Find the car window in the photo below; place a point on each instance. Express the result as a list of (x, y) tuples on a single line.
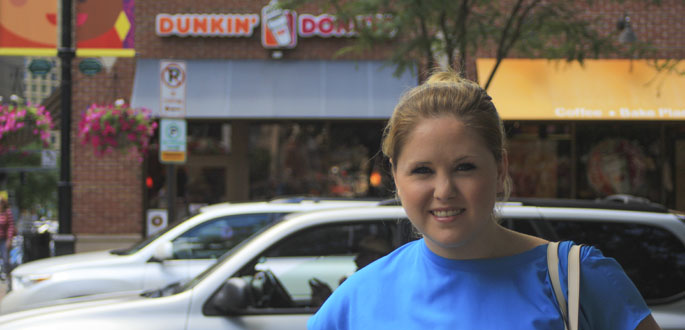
[(653, 257), (308, 265), (213, 238)]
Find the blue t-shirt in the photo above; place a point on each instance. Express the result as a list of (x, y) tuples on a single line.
[(413, 288)]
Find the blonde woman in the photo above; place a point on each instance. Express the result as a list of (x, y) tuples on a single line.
[(446, 145)]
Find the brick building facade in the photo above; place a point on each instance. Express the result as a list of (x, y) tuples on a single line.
[(110, 197)]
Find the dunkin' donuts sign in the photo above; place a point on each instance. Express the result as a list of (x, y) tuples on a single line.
[(279, 27)]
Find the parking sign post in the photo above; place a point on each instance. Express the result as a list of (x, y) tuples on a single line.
[(172, 134)]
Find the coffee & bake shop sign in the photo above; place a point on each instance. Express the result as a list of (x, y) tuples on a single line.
[(599, 89), (280, 28)]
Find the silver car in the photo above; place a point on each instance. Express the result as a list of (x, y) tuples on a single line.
[(175, 255), (279, 277)]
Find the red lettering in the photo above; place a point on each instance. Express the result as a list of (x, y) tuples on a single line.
[(242, 25), (216, 27), (164, 25), (343, 28), (326, 25), (199, 24), (179, 24), (307, 25)]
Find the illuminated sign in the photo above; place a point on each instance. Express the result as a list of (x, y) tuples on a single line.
[(228, 25), (605, 89), (280, 28)]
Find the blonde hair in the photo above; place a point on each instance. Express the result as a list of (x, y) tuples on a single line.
[(445, 93)]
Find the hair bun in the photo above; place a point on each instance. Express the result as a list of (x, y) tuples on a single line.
[(449, 76)]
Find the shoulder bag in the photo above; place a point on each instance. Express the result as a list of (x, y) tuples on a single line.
[(571, 316)]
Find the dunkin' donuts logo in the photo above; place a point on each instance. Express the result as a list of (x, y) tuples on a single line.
[(280, 28)]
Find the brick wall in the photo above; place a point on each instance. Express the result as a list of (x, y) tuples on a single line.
[(149, 45), (108, 192)]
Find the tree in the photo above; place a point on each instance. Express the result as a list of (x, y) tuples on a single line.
[(428, 32)]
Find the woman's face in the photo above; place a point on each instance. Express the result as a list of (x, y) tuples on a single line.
[(448, 180)]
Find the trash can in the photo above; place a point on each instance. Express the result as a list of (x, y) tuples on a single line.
[(36, 246)]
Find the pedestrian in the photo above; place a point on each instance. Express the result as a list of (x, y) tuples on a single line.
[(7, 231), (445, 143)]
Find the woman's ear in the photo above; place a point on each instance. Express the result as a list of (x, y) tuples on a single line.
[(393, 170), (503, 173)]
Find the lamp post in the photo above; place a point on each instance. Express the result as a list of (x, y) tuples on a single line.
[(626, 35), (64, 240)]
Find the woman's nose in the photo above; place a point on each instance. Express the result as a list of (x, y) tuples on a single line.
[(444, 188)]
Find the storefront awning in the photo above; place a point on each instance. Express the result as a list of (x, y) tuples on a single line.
[(278, 89), (538, 89)]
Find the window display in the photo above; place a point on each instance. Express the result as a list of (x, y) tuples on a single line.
[(317, 158)]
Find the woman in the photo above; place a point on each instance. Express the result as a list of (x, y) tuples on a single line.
[(6, 232), (445, 143)]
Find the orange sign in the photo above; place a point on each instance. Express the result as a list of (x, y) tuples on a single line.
[(172, 156), (102, 28), (611, 89)]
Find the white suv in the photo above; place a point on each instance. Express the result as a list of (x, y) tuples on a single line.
[(277, 278), (176, 254)]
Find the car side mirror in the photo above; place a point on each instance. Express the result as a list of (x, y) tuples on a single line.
[(234, 297), (163, 252)]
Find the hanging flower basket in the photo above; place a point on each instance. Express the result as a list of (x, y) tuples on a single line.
[(117, 127), (23, 124)]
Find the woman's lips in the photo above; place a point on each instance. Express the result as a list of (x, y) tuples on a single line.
[(447, 215)]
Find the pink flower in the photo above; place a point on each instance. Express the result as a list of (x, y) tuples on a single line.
[(108, 129), (118, 127)]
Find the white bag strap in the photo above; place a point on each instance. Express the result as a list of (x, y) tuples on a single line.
[(573, 286), (553, 268), (570, 317)]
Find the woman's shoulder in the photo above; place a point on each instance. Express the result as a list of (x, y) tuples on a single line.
[(388, 265)]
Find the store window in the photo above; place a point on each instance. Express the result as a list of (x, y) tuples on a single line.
[(209, 137), (202, 179), (621, 158), (540, 159), (317, 158)]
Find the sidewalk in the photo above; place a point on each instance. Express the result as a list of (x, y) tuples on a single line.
[(3, 289)]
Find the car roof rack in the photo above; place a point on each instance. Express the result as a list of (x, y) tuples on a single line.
[(613, 202), (317, 199)]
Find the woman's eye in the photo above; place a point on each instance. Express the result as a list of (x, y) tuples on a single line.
[(421, 170), (466, 167)]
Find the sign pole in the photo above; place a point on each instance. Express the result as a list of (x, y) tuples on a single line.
[(64, 240), (171, 192), (172, 127)]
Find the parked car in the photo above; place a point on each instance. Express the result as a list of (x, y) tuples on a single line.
[(275, 279), (176, 254)]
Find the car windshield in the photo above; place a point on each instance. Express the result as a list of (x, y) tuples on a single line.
[(190, 284), (143, 243)]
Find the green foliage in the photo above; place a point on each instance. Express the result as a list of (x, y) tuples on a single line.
[(426, 32), (34, 188)]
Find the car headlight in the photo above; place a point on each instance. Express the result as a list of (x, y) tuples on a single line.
[(23, 281)]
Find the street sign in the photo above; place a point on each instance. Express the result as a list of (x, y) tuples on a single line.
[(172, 136), (156, 220), (172, 87)]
